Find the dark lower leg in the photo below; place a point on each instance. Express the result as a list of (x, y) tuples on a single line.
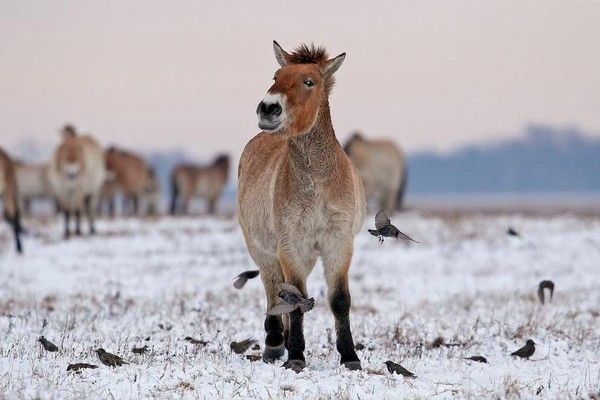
[(295, 340), (211, 206), (15, 222), (340, 306), (89, 211), (274, 339), (67, 223), (136, 203), (111, 207), (78, 223)]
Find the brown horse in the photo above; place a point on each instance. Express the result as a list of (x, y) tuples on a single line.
[(300, 198), (189, 181), (128, 174), (9, 195), (383, 170), (76, 176)]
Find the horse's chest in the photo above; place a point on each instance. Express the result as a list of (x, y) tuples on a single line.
[(310, 222)]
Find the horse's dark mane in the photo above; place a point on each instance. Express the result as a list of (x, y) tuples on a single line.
[(305, 54), (356, 135), (222, 159)]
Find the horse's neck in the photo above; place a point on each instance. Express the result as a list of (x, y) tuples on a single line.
[(313, 154)]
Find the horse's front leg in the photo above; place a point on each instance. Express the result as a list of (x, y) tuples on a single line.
[(337, 255), (274, 342), (295, 272)]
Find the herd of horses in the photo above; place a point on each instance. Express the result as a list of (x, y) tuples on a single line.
[(301, 195), (81, 178)]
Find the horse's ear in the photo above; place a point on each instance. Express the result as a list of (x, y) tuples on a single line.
[(280, 54), (333, 65)]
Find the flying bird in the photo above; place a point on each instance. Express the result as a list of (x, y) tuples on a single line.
[(243, 278), (480, 359), (140, 350), (384, 228), (47, 345), (512, 232), (77, 367), (108, 359), (545, 285), (243, 346), (525, 351), (398, 369), (291, 299)]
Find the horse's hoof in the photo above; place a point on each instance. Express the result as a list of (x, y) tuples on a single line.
[(294, 365), (272, 354), (352, 365)]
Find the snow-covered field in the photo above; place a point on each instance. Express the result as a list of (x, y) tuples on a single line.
[(155, 282)]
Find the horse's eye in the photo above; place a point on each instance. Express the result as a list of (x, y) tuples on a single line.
[(309, 82)]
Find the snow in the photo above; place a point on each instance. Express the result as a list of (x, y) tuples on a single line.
[(168, 278)]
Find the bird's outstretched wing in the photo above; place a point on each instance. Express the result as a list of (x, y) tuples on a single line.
[(282, 308), (381, 219), (242, 278), (404, 236), (288, 287)]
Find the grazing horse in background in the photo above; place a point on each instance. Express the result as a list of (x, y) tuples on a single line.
[(9, 195), (300, 198), (382, 168), (128, 174), (33, 184), (189, 181), (76, 175)]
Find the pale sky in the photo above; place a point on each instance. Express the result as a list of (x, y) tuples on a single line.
[(431, 74)]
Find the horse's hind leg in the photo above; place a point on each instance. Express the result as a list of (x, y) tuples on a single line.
[(336, 260)]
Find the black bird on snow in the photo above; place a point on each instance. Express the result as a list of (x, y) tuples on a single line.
[(77, 367), (47, 345), (525, 351), (291, 299), (512, 232), (399, 369), (140, 350), (384, 228), (196, 341), (242, 278), (243, 346), (545, 285), (480, 359), (109, 359)]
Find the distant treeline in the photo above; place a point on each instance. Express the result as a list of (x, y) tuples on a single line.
[(544, 160)]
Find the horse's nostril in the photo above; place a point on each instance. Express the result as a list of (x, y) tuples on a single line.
[(274, 109), (269, 110)]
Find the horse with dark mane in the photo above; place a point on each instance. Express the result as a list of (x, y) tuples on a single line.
[(300, 198)]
